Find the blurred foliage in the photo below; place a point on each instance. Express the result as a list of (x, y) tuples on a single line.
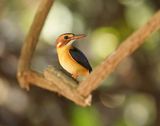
[(107, 23), (85, 117)]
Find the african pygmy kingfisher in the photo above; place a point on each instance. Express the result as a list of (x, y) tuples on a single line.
[(71, 58)]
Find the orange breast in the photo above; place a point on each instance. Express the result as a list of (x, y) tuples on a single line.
[(68, 63)]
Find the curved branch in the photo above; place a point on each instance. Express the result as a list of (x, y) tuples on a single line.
[(58, 82), (51, 80)]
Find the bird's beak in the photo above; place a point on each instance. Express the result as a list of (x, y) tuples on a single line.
[(78, 36)]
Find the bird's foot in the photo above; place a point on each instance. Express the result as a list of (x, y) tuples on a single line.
[(75, 76)]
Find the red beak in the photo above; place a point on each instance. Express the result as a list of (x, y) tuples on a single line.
[(78, 36)]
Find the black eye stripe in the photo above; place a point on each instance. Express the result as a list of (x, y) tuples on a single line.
[(66, 37)]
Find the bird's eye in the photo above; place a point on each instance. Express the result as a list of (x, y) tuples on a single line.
[(66, 37)]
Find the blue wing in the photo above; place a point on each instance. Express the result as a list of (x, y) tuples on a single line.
[(80, 58)]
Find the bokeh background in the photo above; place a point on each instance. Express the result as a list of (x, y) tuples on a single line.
[(129, 97)]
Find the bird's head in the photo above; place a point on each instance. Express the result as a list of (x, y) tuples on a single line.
[(67, 39)]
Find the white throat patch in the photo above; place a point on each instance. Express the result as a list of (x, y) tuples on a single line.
[(70, 43)]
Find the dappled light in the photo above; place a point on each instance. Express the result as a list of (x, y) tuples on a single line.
[(140, 110), (60, 20), (130, 96), (139, 14), (104, 41)]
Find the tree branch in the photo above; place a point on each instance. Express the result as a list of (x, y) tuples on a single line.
[(125, 49), (56, 81), (67, 87), (62, 86), (31, 40), (50, 80)]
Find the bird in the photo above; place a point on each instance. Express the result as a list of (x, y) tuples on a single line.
[(71, 58)]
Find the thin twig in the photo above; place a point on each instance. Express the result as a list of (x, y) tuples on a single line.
[(125, 49)]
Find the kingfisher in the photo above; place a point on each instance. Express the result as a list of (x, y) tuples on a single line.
[(70, 57)]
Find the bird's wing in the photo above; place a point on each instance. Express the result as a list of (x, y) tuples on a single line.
[(80, 58)]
